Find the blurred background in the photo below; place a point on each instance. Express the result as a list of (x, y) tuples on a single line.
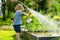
[(49, 8)]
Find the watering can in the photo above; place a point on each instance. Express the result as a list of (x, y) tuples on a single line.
[(29, 20)]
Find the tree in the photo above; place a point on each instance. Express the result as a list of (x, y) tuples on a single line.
[(3, 9), (10, 6)]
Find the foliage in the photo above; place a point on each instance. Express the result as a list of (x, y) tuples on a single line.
[(7, 22), (34, 25), (57, 5)]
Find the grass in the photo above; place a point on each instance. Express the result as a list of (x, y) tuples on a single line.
[(7, 35)]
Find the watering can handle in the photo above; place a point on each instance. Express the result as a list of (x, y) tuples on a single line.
[(29, 14)]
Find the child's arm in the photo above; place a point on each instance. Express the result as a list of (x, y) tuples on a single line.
[(26, 14)]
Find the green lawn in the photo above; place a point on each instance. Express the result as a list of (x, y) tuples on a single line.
[(7, 35)]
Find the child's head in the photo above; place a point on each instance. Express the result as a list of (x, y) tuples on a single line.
[(19, 7)]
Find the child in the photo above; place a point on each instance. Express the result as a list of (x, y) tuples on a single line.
[(18, 20)]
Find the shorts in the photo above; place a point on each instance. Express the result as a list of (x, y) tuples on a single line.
[(17, 28)]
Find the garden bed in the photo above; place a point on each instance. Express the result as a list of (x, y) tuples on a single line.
[(40, 36)]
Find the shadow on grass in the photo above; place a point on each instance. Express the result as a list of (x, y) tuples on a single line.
[(14, 37)]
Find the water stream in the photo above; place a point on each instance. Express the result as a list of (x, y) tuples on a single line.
[(44, 21)]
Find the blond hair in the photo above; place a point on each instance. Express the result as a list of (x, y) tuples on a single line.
[(19, 7)]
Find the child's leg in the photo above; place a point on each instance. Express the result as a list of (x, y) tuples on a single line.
[(18, 31), (18, 36)]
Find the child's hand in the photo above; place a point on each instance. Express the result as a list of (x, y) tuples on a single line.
[(28, 15)]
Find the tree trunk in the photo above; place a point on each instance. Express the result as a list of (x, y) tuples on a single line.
[(3, 9), (9, 8)]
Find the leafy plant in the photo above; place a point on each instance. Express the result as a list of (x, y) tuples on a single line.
[(57, 5), (34, 25)]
